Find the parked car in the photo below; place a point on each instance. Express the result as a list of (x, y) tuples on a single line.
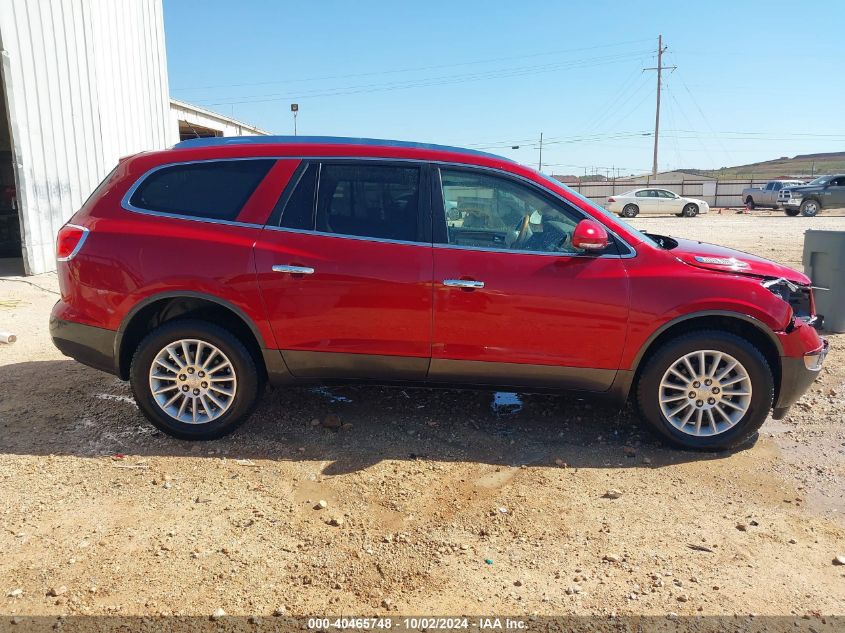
[(824, 192), (202, 272), (649, 201), (767, 196)]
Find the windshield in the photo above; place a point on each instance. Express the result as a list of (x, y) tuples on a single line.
[(611, 216), (821, 180)]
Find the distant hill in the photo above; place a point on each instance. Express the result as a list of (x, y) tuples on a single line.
[(803, 165)]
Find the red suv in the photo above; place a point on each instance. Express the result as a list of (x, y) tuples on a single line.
[(201, 272)]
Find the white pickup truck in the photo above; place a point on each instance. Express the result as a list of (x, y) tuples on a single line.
[(753, 197)]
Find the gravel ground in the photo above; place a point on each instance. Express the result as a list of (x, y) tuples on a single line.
[(436, 502)]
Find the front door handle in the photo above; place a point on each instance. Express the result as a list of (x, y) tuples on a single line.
[(469, 284), (293, 270)]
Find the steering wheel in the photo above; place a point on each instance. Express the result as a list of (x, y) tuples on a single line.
[(524, 230)]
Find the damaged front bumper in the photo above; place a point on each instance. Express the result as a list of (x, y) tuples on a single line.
[(797, 374)]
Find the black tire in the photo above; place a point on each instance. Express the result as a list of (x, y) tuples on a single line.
[(249, 381), (658, 363), (690, 210), (749, 203), (792, 212), (630, 211), (810, 208)]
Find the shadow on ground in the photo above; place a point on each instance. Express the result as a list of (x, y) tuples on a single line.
[(63, 408)]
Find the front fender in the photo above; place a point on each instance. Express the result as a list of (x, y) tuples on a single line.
[(659, 301)]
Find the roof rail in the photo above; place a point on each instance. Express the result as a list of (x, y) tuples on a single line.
[(218, 141)]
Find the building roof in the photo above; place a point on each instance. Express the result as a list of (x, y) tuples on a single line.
[(184, 105)]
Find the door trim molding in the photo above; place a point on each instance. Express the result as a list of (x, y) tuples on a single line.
[(520, 375), (341, 365)]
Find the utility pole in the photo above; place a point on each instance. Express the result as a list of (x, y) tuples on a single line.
[(659, 68), (540, 163)]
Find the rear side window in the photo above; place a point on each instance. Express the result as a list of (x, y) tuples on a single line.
[(379, 201), (215, 190), (296, 205)]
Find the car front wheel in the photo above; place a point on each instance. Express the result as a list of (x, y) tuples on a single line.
[(194, 380), (810, 208), (690, 210), (706, 390)]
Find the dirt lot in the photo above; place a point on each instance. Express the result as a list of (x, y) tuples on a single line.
[(444, 502)]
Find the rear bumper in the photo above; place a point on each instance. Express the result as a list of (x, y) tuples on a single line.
[(797, 374), (92, 346)]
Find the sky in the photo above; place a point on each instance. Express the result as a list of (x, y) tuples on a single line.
[(754, 80)]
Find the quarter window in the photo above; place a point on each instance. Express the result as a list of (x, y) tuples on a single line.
[(297, 206), (215, 190), (378, 201), (490, 212)]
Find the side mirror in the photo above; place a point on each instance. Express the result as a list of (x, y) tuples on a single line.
[(589, 235)]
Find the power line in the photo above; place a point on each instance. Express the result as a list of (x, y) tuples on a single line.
[(696, 135), (533, 144), (413, 69), (759, 135), (608, 108), (432, 81)]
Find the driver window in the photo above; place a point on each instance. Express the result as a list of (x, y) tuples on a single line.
[(490, 212)]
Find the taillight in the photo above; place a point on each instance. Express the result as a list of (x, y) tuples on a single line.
[(70, 240), (611, 199)]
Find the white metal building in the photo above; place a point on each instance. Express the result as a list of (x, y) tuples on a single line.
[(190, 121), (84, 82)]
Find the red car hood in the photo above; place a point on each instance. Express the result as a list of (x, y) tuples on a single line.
[(713, 257)]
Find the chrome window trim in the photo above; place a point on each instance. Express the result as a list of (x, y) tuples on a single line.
[(485, 249), (192, 218), (472, 166), (381, 240)]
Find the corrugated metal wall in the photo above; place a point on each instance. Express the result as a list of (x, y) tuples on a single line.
[(86, 83)]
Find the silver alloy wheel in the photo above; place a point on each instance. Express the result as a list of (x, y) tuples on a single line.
[(811, 208), (705, 393), (193, 381)]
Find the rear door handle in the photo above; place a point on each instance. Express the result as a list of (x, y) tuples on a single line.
[(470, 284), (293, 270)]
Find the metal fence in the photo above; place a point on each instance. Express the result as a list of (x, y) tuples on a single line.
[(717, 193)]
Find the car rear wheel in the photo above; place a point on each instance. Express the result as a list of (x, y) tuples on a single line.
[(706, 390), (690, 210), (792, 212), (810, 208), (194, 380), (630, 211), (749, 204)]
